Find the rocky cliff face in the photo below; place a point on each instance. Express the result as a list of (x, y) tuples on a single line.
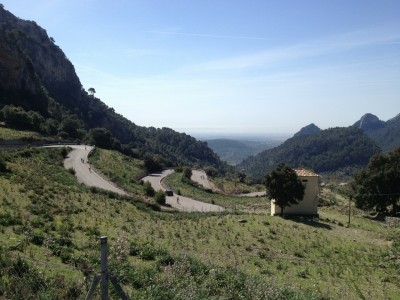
[(29, 60), (33, 69), (369, 122)]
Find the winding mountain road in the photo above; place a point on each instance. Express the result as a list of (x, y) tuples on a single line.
[(77, 159), (176, 201)]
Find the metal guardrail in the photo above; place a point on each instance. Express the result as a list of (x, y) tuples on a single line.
[(20, 143)]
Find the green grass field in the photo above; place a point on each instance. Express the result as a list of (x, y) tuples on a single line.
[(50, 225), (10, 134)]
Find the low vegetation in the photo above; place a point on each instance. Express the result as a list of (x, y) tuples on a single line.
[(50, 226), (123, 170)]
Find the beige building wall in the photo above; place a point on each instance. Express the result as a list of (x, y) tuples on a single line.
[(309, 204)]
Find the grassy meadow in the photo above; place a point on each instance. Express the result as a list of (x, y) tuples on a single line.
[(50, 225), (10, 134)]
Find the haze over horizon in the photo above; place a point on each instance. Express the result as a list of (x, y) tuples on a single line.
[(231, 67)]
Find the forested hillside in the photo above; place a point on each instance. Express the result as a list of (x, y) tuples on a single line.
[(386, 134), (40, 91), (326, 151)]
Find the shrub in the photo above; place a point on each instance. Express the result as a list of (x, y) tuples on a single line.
[(160, 197), (6, 219), (148, 189), (64, 152), (187, 173), (178, 169), (3, 164)]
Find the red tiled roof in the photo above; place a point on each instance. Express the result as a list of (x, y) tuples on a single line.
[(305, 172)]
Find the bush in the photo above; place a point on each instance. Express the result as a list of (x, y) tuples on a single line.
[(64, 152), (160, 197), (148, 189), (7, 219), (3, 164), (187, 173)]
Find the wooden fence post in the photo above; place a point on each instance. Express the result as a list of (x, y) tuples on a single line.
[(104, 277), (104, 268)]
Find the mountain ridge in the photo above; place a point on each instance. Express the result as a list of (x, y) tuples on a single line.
[(326, 151), (385, 133)]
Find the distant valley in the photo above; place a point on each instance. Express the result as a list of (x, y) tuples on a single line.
[(234, 151)]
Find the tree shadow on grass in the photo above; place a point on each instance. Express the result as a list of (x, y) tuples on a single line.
[(313, 221)]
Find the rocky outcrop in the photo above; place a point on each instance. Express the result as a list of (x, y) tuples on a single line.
[(386, 134), (369, 122)]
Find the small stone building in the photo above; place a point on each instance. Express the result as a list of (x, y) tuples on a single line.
[(309, 205)]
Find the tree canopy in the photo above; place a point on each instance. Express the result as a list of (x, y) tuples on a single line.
[(377, 186), (102, 138), (91, 91), (284, 186)]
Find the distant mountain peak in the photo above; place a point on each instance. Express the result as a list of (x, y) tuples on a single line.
[(309, 129), (369, 122)]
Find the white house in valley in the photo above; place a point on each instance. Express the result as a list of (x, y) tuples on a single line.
[(309, 204)]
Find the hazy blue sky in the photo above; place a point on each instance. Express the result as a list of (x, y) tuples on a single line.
[(260, 66)]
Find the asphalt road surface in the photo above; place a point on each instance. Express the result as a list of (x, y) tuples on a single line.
[(200, 177), (176, 201), (78, 160)]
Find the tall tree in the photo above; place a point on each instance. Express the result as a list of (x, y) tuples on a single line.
[(284, 186), (101, 137), (242, 176), (91, 91), (377, 186)]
